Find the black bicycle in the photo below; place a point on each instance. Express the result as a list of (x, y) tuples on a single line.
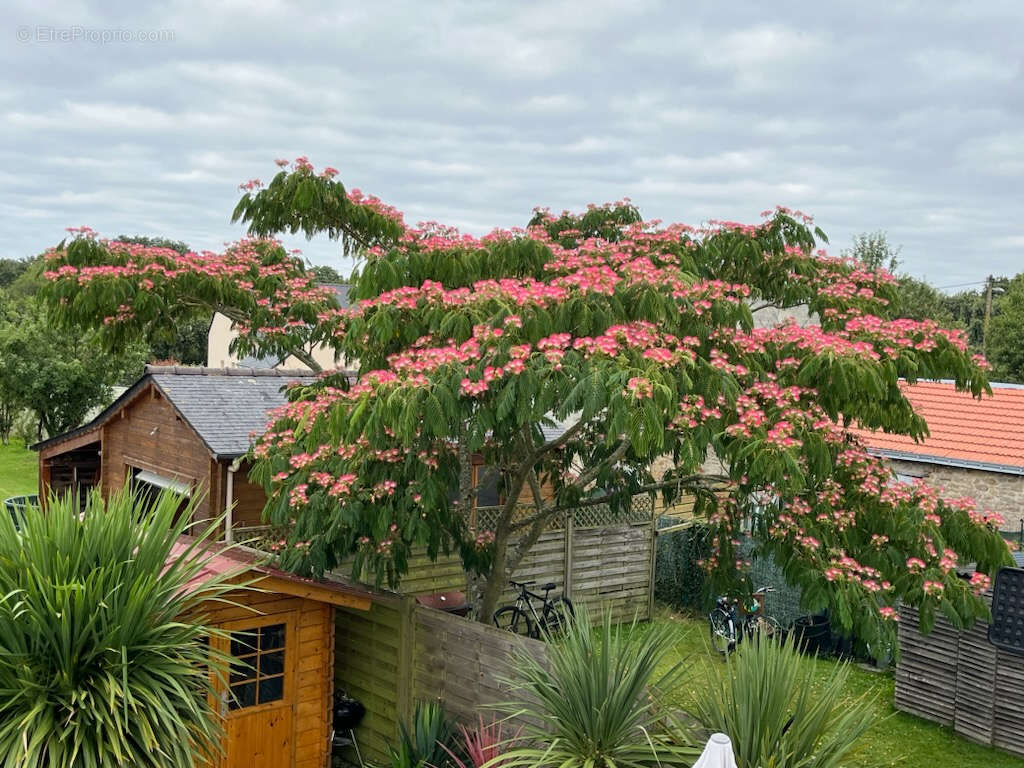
[(523, 619), (728, 629)]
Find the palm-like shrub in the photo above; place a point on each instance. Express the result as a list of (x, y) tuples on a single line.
[(98, 667), (596, 701), (766, 699)]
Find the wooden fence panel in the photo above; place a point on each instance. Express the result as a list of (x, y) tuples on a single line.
[(1008, 693), (465, 664), (956, 677), (974, 701), (611, 568), (926, 675)]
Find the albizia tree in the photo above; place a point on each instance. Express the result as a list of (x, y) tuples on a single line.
[(637, 336)]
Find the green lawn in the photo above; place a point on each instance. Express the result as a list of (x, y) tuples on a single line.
[(19, 469), (897, 739)]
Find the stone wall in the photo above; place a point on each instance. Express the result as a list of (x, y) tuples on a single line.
[(996, 491)]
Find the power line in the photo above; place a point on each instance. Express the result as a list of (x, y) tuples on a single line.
[(960, 285)]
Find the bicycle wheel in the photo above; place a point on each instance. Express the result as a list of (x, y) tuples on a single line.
[(764, 626), (723, 633), (512, 619), (557, 615)]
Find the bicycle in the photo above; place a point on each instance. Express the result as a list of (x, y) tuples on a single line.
[(728, 630), (523, 619)]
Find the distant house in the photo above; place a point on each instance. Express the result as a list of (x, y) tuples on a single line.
[(975, 447), (222, 333)]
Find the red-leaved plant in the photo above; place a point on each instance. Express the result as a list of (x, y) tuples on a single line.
[(482, 743)]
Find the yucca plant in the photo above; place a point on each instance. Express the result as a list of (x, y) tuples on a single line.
[(104, 659), (596, 700), (765, 698), (427, 741)]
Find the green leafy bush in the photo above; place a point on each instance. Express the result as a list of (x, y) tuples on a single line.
[(764, 698), (597, 700), (98, 667), (679, 579)]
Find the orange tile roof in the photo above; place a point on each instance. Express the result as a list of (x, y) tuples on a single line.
[(963, 431)]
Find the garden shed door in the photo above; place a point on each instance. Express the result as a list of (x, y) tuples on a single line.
[(259, 705)]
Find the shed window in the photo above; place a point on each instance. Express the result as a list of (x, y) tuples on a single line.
[(257, 671), (148, 485), (486, 480)]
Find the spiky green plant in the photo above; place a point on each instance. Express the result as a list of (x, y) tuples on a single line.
[(427, 741), (99, 663), (596, 700), (765, 698)]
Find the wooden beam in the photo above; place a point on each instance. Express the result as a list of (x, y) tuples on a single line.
[(313, 591), (92, 436)]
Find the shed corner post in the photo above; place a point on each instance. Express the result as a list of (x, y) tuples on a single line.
[(406, 651)]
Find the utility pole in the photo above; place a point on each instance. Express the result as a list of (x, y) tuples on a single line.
[(988, 314)]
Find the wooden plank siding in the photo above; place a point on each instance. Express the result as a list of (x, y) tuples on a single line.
[(368, 653), (249, 499), (149, 434), (604, 567)]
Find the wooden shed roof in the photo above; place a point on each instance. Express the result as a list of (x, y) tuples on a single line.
[(231, 560)]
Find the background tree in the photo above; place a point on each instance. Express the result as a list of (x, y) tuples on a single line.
[(873, 250), (1006, 332), (637, 338), (59, 374), (326, 274), (11, 270), (102, 659)]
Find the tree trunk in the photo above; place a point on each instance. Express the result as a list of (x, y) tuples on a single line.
[(495, 580)]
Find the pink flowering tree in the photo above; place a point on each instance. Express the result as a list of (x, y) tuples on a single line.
[(635, 338)]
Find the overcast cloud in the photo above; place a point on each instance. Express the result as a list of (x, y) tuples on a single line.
[(899, 116)]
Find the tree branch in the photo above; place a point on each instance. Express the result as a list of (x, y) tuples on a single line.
[(588, 476), (562, 439)]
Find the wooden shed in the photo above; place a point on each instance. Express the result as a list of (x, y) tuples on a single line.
[(177, 427), (277, 704)]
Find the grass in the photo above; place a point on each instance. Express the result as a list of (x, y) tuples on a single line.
[(896, 740), (19, 469)]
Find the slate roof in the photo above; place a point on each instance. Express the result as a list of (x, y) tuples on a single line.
[(223, 405), (983, 434)]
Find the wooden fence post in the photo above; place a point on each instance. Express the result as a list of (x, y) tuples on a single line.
[(406, 651), (569, 532), (654, 559)]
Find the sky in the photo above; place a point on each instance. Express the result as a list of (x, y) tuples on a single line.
[(896, 116)]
